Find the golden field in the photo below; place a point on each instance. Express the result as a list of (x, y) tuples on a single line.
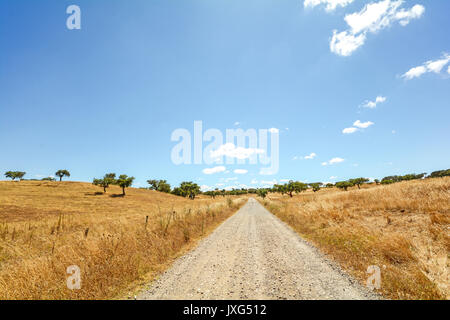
[(118, 242), (403, 228)]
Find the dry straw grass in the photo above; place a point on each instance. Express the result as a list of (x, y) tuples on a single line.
[(116, 241), (403, 228)]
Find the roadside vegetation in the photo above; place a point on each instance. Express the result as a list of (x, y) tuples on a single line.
[(118, 242), (402, 227)]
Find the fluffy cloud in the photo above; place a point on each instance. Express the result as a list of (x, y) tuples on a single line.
[(311, 156), (373, 104), (333, 161), (344, 43), (214, 170), (349, 130), (372, 18), (435, 66), (330, 4), (357, 125), (240, 171), (362, 125), (230, 150), (448, 71)]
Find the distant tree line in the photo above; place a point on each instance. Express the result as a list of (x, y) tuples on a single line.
[(189, 189), (13, 175)]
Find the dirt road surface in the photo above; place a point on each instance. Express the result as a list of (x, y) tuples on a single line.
[(254, 255)]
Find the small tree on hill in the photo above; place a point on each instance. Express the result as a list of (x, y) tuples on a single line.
[(344, 185), (106, 181), (62, 173), (315, 186), (124, 181), (13, 175), (358, 182), (159, 185), (189, 189)]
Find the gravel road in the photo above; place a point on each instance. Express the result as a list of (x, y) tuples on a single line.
[(254, 255)]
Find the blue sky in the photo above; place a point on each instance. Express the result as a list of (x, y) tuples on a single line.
[(107, 97)]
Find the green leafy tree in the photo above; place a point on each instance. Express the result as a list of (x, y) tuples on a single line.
[(13, 175), (316, 186), (124, 181), (62, 173), (159, 185), (358, 182), (188, 189), (344, 185), (262, 193), (440, 174), (377, 182), (106, 181), (294, 186), (387, 181), (330, 185)]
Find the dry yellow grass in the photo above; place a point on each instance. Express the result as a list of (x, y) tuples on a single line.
[(404, 227), (47, 226)]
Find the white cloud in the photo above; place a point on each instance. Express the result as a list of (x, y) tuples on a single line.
[(254, 181), (240, 171), (415, 72), (333, 178), (344, 43), (357, 125), (448, 71), (311, 156), (363, 125), (237, 123), (349, 130), (230, 150), (214, 170), (274, 130), (435, 66), (333, 161), (372, 18), (330, 4), (373, 104)]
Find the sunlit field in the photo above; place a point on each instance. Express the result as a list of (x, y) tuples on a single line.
[(403, 228), (117, 242)]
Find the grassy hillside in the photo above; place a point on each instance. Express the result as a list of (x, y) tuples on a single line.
[(402, 228), (116, 241)]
